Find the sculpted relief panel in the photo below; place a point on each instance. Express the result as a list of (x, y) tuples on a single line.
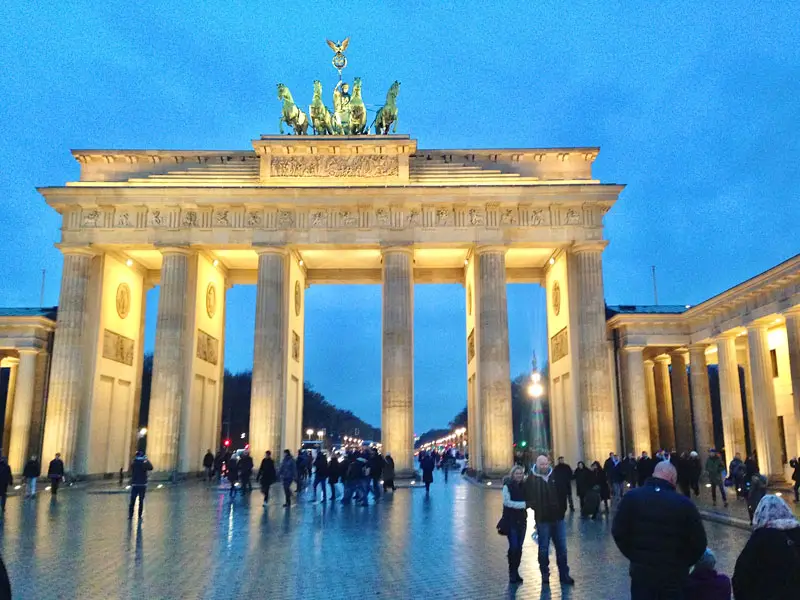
[(334, 166)]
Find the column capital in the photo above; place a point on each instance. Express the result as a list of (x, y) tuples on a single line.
[(270, 249), (497, 248), (682, 352), (792, 311), (727, 335), (28, 351), (662, 358), (403, 249), (592, 246), (9, 361), (633, 348), (649, 363), (183, 250), (67, 249), (701, 348)]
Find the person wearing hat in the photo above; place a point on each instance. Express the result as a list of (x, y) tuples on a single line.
[(705, 583), (715, 468)]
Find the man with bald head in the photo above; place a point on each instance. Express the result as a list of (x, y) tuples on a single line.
[(660, 532)]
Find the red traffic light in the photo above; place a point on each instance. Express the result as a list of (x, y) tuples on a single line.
[(247, 446), (226, 443)]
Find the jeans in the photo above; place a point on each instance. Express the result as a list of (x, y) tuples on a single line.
[(287, 491), (376, 488), (318, 481), (616, 489), (265, 490), (349, 490), (31, 485), (557, 532), (54, 483), (646, 589), (516, 535), (333, 490), (721, 487), (137, 491)]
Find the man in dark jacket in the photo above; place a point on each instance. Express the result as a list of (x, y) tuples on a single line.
[(795, 464), (320, 475), (31, 473), (376, 463), (644, 468), (266, 475), (542, 495), (208, 464), (562, 473), (245, 472), (334, 473), (55, 473), (6, 479), (661, 533), (139, 468)]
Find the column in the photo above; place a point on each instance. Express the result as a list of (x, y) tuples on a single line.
[(701, 400), (67, 368), (766, 416), (793, 339), (23, 405), (681, 407), (652, 407), (666, 428), (594, 387), (730, 394), (12, 363), (635, 395), (170, 360), (743, 360), (397, 357), (269, 354)]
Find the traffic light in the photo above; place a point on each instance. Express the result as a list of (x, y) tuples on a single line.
[(524, 443), (226, 443)]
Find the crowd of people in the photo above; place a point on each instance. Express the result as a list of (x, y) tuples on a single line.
[(657, 527)]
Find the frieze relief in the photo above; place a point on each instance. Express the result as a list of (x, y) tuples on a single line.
[(334, 166), (559, 345), (117, 347), (207, 347)]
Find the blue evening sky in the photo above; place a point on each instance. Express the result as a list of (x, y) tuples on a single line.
[(694, 105)]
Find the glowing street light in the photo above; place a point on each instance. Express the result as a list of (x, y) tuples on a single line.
[(309, 432)]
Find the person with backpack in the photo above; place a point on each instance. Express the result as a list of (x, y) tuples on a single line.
[(769, 566)]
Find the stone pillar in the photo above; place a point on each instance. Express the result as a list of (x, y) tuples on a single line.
[(594, 387), (766, 417), (652, 407), (743, 359), (730, 393), (23, 405), (397, 358), (635, 395), (701, 400), (67, 368), (666, 427), (170, 360), (681, 405), (12, 362), (269, 354), (494, 379), (793, 339)]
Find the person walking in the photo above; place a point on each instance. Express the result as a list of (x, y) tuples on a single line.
[(661, 533), (139, 468), (601, 482), (541, 493), (705, 583), (758, 489), (769, 566), (562, 473), (6, 479), (31, 473), (629, 470), (388, 473), (245, 472), (376, 465), (232, 473), (334, 473), (55, 473), (695, 471), (515, 519), (644, 469), (584, 480), (715, 468), (795, 464), (428, 465), (320, 476), (288, 474), (684, 476), (266, 475), (613, 470), (208, 464), (737, 471)]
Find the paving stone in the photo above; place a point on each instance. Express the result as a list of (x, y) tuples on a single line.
[(194, 543)]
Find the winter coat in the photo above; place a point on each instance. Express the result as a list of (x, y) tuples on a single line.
[(795, 464), (644, 469), (715, 469), (544, 498), (659, 531), (32, 469), (428, 465), (266, 473), (769, 566), (334, 470), (737, 470), (695, 469), (321, 466), (245, 466), (139, 468), (288, 469), (601, 481), (584, 480), (591, 502), (233, 470), (6, 479), (56, 469), (208, 460), (707, 584), (758, 488), (376, 466), (563, 475), (388, 469)]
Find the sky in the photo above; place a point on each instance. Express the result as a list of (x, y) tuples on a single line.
[(694, 106)]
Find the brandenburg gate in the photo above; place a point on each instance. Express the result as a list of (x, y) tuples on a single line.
[(297, 211)]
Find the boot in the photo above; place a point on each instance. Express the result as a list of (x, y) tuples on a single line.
[(517, 561), (514, 558)]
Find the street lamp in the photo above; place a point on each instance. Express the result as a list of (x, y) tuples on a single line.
[(309, 432)]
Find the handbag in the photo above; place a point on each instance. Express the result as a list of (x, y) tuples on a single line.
[(503, 527)]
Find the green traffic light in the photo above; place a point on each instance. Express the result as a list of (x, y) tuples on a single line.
[(524, 443)]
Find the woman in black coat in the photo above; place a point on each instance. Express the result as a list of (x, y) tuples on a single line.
[(428, 464), (769, 566), (584, 480), (601, 480), (267, 475)]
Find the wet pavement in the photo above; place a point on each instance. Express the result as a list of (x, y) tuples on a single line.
[(194, 543)]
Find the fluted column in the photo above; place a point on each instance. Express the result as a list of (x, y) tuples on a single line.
[(730, 393), (681, 406), (13, 363), (170, 360), (268, 392), (597, 403), (635, 395), (701, 400), (652, 406), (666, 427), (793, 339), (766, 416), (67, 369), (397, 357), (743, 360), (23, 405)]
